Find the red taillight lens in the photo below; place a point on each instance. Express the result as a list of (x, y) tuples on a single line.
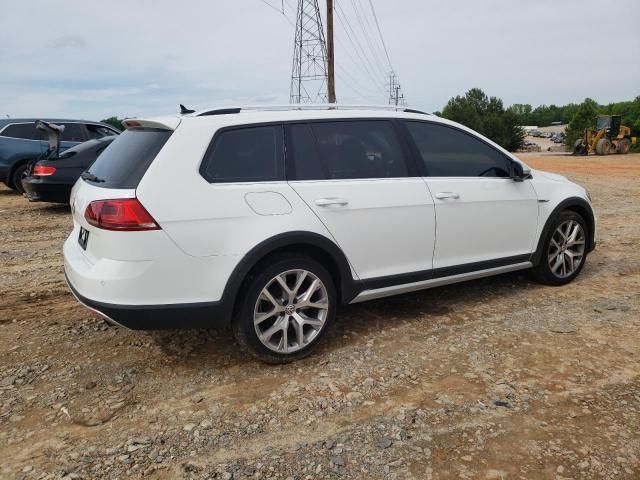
[(125, 214), (43, 170)]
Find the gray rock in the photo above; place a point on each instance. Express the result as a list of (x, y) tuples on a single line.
[(384, 442), (563, 328)]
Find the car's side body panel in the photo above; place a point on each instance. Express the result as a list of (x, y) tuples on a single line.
[(488, 218), (386, 226)]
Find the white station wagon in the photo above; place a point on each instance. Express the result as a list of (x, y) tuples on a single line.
[(266, 219)]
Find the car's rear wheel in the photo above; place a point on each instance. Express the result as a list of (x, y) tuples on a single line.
[(286, 308), (564, 250), (17, 176)]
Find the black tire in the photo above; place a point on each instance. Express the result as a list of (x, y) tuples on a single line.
[(243, 322), (16, 178), (603, 147), (543, 271), (623, 146)]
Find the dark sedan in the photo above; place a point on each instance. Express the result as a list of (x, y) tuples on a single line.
[(21, 142), (52, 180)]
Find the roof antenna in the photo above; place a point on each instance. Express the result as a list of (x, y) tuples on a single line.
[(184, 110)]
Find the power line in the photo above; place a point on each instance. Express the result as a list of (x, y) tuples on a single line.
[(375, 17), (273, 6), (280, 11), (368, 40), (356, 83), (364, 58), (355, 63), (370, 28)]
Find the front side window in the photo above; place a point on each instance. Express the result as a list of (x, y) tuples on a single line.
[(449, 152), (25, 131), (347, 150), (247, 154)]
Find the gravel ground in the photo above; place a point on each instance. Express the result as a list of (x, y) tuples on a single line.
[(497, 378)]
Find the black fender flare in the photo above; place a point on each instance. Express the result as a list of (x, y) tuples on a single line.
[(348, 287), (577, 204)]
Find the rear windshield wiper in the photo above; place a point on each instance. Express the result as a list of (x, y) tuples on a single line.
[(91, 177)]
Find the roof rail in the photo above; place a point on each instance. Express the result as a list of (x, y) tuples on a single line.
[(304, 106)]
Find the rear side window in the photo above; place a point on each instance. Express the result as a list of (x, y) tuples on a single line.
[(73, 132), (26, 131), (98, 131), (347, 150), (449, 152), (247, 154), (125, 161)]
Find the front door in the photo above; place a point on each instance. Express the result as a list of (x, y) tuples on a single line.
[(355, 177), (483, 216)]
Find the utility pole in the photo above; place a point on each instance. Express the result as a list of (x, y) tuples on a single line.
[(309, 73), (396, 97), (331, 81)]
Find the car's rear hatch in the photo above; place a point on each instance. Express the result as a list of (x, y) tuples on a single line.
[(103, 200)]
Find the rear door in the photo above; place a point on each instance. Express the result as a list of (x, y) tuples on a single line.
[(483, 216), (355, 176)]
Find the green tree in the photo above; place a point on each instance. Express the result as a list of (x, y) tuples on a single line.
[(486, 115), (115, 122), (583, 118), (523, 113)]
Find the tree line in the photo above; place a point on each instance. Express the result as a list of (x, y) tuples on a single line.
[(488, 116)]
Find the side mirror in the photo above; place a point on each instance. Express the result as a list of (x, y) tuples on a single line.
[(518, 172)]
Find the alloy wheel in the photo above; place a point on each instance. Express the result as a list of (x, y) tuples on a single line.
[(566, 249), (291, 310)]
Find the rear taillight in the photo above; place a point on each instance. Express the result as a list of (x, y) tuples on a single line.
[(126, 214), (43, 170)]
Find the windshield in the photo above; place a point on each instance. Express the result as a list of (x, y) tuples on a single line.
[(603, 122)]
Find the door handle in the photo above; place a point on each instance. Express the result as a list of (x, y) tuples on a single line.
[(327, 202), (445, 195)]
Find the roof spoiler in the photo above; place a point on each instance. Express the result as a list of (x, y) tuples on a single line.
[(169, 122)]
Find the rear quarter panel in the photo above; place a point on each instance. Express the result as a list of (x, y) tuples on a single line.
[(206, 219)]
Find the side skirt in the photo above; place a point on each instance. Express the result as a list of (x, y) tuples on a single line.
[(372, 294)]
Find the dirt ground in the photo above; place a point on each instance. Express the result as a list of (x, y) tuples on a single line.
[(499, 378)]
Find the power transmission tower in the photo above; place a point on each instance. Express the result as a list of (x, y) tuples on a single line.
[(396, 97), (309, 76)]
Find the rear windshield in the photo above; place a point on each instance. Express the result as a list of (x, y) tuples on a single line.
[(125, 161)]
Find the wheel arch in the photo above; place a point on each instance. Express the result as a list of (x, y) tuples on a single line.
[(312, 244), (574, 204), (12, 169)]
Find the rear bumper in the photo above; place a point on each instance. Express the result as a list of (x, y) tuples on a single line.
[(159, 317), (171, 290), (38, 190)]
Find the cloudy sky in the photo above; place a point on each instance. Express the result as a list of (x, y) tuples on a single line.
[(89, 59)]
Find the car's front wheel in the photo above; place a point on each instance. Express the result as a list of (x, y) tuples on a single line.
[(288, 305), (564, 249)]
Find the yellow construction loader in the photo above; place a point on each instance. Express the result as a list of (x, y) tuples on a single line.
[(609, 136)]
